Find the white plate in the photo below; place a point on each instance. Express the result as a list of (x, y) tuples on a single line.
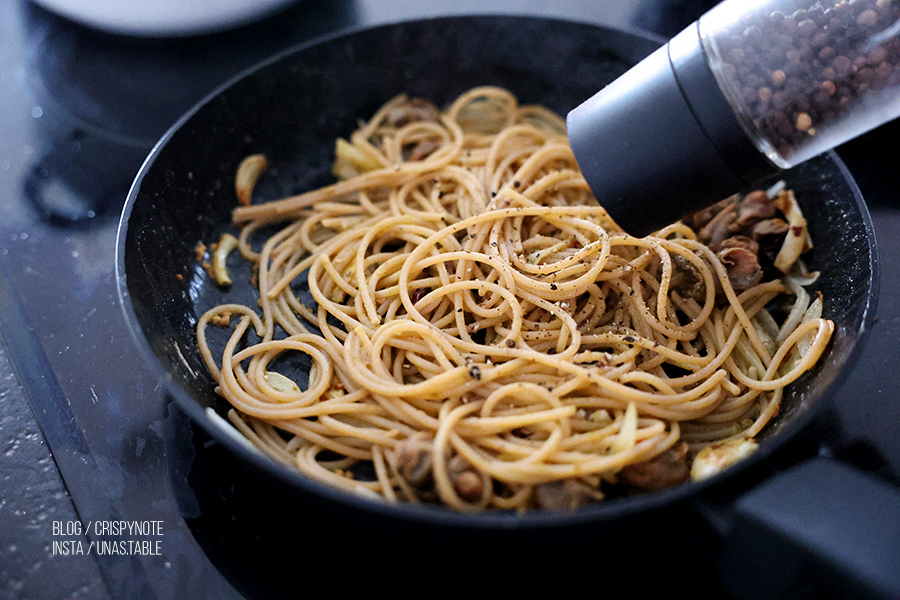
[(163, 17)]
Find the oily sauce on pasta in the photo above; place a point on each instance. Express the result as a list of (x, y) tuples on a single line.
[(483, 336)]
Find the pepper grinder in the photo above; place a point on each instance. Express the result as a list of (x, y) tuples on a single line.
[(749, 89)]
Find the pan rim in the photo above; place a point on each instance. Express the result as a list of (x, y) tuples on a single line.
[(434, 515)]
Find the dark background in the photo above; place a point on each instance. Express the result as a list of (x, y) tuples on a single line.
[(86, 433)]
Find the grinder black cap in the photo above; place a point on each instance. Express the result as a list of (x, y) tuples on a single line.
[(662, 141)]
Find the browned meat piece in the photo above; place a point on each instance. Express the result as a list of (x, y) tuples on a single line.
[(719, 228), (753, 223), (567, 494), (742, 266), (686, 279), (668, 469), (466, 481), (413, 110), (770, 234), (468, 485), (755, 207), (699, 219), (423, 149), (414, 461), (415, 464), (740, 241)]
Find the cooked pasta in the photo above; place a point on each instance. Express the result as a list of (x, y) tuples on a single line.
[(481, 334)]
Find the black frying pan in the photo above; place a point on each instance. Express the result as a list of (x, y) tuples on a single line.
[(294, 106)]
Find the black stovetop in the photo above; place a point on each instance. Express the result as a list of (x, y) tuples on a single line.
[(87, 435)]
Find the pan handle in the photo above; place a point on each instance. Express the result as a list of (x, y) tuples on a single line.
[(820, 525)]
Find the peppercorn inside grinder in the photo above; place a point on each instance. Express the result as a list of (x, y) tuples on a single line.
[(749, 89)]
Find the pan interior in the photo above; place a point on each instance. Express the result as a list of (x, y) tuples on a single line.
[(292, 109)]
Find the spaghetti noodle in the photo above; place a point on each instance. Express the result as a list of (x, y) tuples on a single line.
[(482, 334)]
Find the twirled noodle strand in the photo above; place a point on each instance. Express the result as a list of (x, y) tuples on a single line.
[(481, 330)]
